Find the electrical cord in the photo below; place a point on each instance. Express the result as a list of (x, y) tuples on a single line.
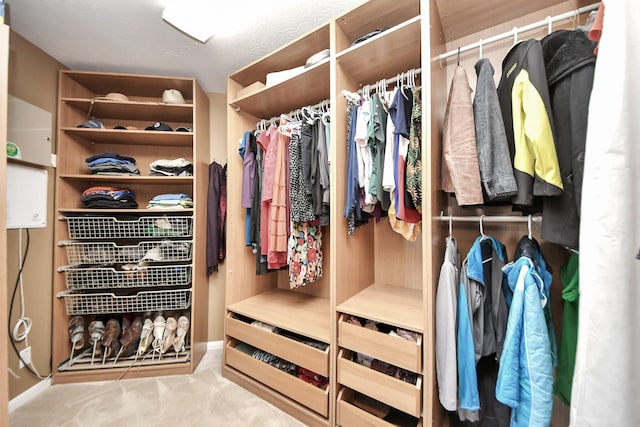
[(23, 322)]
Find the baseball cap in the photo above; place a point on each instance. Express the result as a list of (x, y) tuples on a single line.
[(115, 96), (172, 96), (184, 129), (122, 127), (159, 126), (93, 124)]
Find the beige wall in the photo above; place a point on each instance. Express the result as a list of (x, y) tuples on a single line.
[(33, 77), (218, 150)]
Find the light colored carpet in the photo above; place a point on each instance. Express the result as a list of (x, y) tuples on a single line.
[(204, 398)]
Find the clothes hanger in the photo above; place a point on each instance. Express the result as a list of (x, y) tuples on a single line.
[(458, 56), (529, 228), (450, 227), (515, 35), (482, 226), (549, 25)]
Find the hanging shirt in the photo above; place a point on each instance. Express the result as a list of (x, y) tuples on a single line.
[(413, 170), (305, 254)]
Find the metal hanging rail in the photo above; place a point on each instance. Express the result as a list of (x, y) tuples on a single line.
[(548, 21), (489, 218)]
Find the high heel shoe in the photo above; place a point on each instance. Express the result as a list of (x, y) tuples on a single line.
[(169, 334), (181, 334), (146, 336)]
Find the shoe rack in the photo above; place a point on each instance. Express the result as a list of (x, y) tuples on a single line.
[(105, 271), (374, 275)]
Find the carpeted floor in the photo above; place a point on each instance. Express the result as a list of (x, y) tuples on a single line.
[(204, 398)]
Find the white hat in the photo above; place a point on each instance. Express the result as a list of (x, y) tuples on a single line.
[(172, 96)]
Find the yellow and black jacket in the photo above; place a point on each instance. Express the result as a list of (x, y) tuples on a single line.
[(526, 109)]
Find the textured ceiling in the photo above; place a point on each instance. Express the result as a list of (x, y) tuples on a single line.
[(130, 36)]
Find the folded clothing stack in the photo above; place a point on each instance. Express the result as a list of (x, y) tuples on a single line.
[(112, 164), (171, 201), (175, 167), (107, 197)]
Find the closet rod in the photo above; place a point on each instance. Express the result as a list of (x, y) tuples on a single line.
[(518, 30), (325, 103), (489, 218), (394, 79)]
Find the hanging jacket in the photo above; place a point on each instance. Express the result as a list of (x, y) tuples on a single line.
[(526, 110), (496, 170), (525, 377), (482, 316), (460, 172), (446, 314), (570, 64)]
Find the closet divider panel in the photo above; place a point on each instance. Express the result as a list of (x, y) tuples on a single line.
[(4, 342), (434, 101)]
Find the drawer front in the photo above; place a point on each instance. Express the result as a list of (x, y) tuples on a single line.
[(301, 354), (350, 415), (394, 350), (392, 391), (304, 393)]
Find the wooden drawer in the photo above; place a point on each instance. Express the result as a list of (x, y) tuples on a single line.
[(299, 353), (304, 393), (394, 350), (351, 415), (402, 395)]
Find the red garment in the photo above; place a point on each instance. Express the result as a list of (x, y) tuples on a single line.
[(596, 29)]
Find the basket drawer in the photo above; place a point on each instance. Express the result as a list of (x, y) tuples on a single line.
[(110, 278), (304, 393), (299, 353), (394, 350), (109, 252), (351, 415), (402, 395), (104, 303), (106, 227)]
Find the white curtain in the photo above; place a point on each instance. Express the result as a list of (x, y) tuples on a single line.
[(606, 385)]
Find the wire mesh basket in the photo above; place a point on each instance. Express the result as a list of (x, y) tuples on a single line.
[(110, 252), (80, 277), (106, 227), (79, 303)]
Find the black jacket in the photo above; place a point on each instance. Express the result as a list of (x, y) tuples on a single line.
[(569, 62)]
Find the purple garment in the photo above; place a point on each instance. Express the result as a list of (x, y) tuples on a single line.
[(248, 170)]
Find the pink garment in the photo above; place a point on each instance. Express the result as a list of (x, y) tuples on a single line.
[(278, 221), (460, 170), (269, 145)]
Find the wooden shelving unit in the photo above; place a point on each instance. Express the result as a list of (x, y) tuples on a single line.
[(109, 295), (374, 275)]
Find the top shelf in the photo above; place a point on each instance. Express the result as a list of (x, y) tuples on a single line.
[(133, 110), (88, 84), (294, 311), (401, 307)]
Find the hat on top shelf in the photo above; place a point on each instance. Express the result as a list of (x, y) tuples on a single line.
[(172, 96), (92, 124), (159, 126), (114, 96)]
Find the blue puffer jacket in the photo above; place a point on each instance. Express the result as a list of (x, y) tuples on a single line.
[(525, 378)]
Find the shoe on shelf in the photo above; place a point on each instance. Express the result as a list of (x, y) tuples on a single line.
[(159, 323), (96, 332), (169, 335), (181, 334), (131, 337), (146, 336), (110, 342), (76, 332)]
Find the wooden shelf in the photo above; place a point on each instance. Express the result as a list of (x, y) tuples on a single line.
[(307, 88), (147, 86), (132, 110), (376, 15), (393, 51), (392, 305), (293, 311), (289, 56), (129, 137), (130, 179)]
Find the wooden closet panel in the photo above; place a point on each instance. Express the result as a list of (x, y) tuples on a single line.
[(4, 342)]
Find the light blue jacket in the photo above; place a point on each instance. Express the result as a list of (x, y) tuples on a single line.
[(525, 377)]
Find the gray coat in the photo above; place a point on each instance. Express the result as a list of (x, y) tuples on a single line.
[(494, 160)]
